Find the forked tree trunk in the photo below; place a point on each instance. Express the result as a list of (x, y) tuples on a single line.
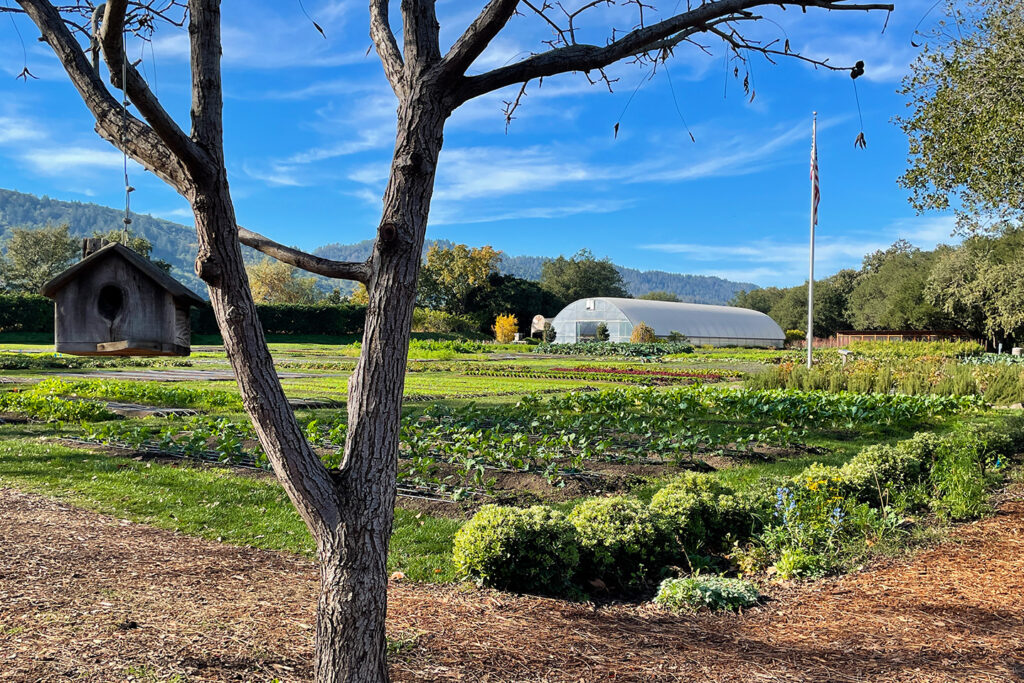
[(351, 643), (352, 521)]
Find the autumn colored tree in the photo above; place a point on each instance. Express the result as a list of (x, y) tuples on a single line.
[(276, 282), (505, 328), (450, 275)]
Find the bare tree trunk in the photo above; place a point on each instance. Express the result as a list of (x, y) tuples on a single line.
[(351, 642)]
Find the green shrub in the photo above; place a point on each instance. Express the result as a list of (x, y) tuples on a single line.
[(25, 313), (880, 468), (1007, 387), (706, 592), (699, 511), (442, 322), (533, 550), (621, 540)]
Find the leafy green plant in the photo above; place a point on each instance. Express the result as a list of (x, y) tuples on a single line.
[(620, 539), (526, 550), (706, 592)]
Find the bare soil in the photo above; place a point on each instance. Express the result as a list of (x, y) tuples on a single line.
[(87, 597)]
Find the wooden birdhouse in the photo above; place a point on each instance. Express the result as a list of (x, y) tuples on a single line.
[(115, 302)]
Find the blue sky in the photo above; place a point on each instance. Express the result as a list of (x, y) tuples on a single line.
[(310, 128)]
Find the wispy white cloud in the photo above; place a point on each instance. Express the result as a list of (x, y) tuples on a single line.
[(454, 213), (777, 262), (13, 130), (61, 160)]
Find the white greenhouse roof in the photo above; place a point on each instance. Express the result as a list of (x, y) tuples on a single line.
[(698, 320)]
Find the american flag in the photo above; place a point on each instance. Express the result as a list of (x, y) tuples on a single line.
[(815, 191)]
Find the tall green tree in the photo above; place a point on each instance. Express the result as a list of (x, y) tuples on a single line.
[(33, 256), (450, 274), (581, 276), (966, 99), (980, 284), (758, 299), (890, 292)]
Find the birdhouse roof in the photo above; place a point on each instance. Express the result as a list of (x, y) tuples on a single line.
[(148, 268)]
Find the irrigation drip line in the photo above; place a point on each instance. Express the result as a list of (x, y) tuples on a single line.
[(212, 457)]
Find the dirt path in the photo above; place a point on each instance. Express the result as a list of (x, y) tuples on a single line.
[(88, 597)]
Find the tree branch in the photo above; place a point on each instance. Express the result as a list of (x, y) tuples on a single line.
[(341, 270), (141, 142), (420, 35), (387, 46), (590, 57), (207, 91), (477, 37), (111, 40)]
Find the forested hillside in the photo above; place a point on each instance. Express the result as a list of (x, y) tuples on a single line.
[(176, 244), (701, 289), (172, 242)]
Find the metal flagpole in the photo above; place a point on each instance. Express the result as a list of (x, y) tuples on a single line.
[(815, 195)]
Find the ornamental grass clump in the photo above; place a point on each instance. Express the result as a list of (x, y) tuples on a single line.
[(702, 592), (531, 550), (621, 541)]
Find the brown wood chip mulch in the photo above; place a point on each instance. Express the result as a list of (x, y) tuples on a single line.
[(91, 598)]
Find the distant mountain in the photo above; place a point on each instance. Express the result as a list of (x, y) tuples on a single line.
[(177, 245), (698, 289)]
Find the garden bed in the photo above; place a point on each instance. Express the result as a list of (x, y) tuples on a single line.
[(151, 604)]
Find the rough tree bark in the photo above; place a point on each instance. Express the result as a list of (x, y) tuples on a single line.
[(349, 510)]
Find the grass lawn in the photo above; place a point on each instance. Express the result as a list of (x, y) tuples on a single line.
[(210, 502)]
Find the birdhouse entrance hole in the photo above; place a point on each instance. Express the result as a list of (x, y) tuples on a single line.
[(110, 302)]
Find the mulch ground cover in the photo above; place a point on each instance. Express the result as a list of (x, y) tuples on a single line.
[(87, 597)]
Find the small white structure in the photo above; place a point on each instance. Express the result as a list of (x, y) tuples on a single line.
[(700, 323)]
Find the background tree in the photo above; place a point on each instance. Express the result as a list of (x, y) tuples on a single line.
[(350, 510), (758, 299), (890, 292), (275, 282), (979, 285), (581, 276), (501, 293), (449, 275), (32, 257), (966, 95), (505, 328), (137, 243), (659, 296)]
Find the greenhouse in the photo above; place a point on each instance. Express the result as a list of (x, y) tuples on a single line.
[(699, 323)]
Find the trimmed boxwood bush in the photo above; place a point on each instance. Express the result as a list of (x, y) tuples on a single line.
[(620, 539), (880, 468), (706, 592), (699, 511), (526, 550)]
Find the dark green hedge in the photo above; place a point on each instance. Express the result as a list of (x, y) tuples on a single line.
[(25, 313), (326, 319), (33, 313)]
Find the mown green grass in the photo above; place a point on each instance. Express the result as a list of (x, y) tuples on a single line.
[(209, 502)]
